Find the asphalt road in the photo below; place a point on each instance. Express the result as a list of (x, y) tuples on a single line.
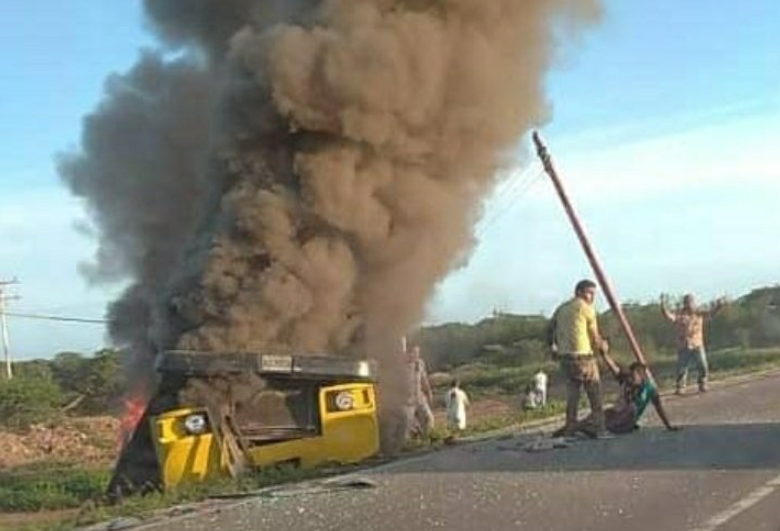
[(722, 472)]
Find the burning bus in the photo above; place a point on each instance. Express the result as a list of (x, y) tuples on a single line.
[(216, 414)]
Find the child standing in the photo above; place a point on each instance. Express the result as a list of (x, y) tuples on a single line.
[(457, 402)]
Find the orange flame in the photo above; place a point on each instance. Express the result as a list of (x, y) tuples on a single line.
[(134, 407)]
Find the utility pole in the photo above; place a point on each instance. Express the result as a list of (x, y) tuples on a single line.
[(601, 276), (4, 297)]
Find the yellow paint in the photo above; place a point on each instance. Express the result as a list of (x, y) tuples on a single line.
[(346, 437), (186, 458)]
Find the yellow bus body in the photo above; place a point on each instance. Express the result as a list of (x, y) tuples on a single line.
[(345, 436)]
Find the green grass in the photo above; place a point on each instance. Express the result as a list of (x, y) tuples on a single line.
[(736, 360), (36, 527), (49, 486), (722, 363), (495, 422), (53, 487), (482, 380)]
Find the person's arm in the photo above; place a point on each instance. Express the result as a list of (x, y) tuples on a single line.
[(596, 341), (713, 310), (659, 408), (551, 335), (426, 385), (665, 311), (612, 365)]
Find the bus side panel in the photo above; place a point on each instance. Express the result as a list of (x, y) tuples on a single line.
[(185, 458), (347, 436)]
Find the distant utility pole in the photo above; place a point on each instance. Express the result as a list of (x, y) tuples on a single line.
[(4, 297)]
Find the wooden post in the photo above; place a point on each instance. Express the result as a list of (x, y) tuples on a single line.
[(601, 276)]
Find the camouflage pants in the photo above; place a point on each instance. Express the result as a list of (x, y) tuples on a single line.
[(419, 418), (582, 372)]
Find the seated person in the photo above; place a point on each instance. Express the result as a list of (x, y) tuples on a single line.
[(530, 400), (637, 390)]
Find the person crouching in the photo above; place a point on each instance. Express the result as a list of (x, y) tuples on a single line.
[(457, 401)]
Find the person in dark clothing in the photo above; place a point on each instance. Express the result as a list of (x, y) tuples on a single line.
[(637, 390)]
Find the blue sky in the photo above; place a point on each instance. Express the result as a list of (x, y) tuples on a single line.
[(666, 122)]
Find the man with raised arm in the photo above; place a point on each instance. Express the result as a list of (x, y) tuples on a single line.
[(689, 327)]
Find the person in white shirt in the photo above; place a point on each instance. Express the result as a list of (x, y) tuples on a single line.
[(540, 388), (457, 401)]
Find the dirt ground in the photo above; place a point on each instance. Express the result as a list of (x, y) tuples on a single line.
[(479, 409), (89, 441), (11, 521), (93, 441)]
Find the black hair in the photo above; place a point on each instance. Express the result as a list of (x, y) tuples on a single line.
[(584, 284)]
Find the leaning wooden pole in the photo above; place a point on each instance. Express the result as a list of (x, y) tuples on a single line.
[(544, 155)]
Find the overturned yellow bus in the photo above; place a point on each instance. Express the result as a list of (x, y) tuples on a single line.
[(215, 414)]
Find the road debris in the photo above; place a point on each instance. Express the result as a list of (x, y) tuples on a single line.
[(326, 486), (542, 444)]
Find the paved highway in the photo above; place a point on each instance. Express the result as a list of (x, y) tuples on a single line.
[(722, 472)]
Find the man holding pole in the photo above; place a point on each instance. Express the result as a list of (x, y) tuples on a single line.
[(637, 391), (574, 339)]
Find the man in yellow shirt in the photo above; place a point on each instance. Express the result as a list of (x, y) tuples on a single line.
[(574, 339)]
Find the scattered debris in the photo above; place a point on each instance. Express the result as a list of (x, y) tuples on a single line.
[(352, 482), (541, 444), (326, 486), (117, 524)]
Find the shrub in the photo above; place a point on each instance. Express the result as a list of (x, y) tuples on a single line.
[(27, 400), (94, 380)]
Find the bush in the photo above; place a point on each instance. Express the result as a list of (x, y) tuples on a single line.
[(95, 380), (27, 400)]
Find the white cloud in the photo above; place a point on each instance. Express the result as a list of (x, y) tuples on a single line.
[(689, 210), (737, 151)]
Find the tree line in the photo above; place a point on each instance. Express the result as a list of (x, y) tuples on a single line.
[(74, 383), (751, 321), (70, 383)]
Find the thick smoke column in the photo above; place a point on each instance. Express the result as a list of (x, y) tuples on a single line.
[(308, 171), (141, 172)]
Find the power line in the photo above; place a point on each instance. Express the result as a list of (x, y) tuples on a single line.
[(513, 194), (517, 181), (510, 187), (4, 298), (57, 318), (519, 193)]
